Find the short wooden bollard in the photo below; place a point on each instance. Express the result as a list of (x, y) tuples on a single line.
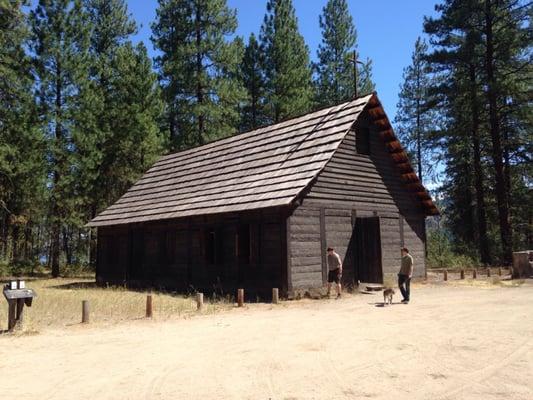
[(199, 301), (85, 312), (474, 273), (462, 274), (240, 297), (445, 275), (488, 272), (499, 271), (149, 306), (275, 296)]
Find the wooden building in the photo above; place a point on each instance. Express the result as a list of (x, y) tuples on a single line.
[(257, 210)]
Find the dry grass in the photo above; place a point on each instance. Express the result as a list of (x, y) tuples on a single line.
[(59, 304)]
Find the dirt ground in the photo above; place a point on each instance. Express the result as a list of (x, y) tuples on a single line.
[(451, 342)]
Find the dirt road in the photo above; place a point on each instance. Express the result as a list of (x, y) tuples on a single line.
[(449, 343)]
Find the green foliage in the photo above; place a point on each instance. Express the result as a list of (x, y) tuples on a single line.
[(287, 67), (481, 61), (335, 69), (253, 112), (415, 120), (442, 254), (198, 69), (60, 44), (119, 134), (22, 160)]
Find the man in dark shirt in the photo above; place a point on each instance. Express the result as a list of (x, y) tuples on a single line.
[(334, 270), (404, 277)]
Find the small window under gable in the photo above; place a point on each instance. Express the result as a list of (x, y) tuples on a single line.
[(362, 139)]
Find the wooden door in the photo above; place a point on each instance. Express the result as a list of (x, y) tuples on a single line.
[(367, 250)]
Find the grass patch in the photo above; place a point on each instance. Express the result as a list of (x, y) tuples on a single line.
[(59, 304)]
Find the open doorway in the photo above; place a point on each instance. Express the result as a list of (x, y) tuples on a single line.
[(367, 250)]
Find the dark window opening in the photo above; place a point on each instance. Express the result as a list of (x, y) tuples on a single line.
[(362, 140), (244, 243)]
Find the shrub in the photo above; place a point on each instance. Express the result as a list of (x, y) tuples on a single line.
[(442, 255)]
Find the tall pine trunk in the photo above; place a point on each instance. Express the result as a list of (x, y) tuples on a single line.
[(418, 128), (484, 250), (56, 161), (67, 248), (199, 67), (4, 235), (497, 152), (15, 233)]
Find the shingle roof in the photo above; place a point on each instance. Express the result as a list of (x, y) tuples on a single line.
[(263, 168)]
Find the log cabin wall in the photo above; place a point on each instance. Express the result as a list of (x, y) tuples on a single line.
[(354, 185), (210, 253)]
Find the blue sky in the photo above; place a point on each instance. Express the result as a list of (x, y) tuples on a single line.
[(387, 31)]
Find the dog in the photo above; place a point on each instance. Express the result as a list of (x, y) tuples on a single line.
[(387, 295)]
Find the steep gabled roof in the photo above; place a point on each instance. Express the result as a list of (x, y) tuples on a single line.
[(263, 168)]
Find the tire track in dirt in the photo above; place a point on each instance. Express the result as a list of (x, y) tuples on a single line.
[(478, 377)]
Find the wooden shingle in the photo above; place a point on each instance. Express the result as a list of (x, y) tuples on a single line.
[(266, 167)]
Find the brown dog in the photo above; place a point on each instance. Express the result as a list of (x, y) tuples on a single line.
[(387, 295)]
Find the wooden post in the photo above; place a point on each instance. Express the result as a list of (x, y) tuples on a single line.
[(11, 316), (474, 273), (445, 275), (499, 271), (488, 272), (199, 301), (85, 312), (20, 315), (149, 306), (275, 296), (240, 297), (462, 274)]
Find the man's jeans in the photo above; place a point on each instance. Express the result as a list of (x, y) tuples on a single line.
[(404, 283)]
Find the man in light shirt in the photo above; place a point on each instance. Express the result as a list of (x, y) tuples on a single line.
[(334, 270)]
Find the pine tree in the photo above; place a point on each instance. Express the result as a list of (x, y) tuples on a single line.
[(484, 44), (287, 69), (415, 120), (136, 141), (22, 172), (335, 66), (198, 69), (119, 136), (60, 45), (253, 112)]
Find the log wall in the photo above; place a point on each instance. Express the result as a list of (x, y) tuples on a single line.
[(352, 185), (174, 254)]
